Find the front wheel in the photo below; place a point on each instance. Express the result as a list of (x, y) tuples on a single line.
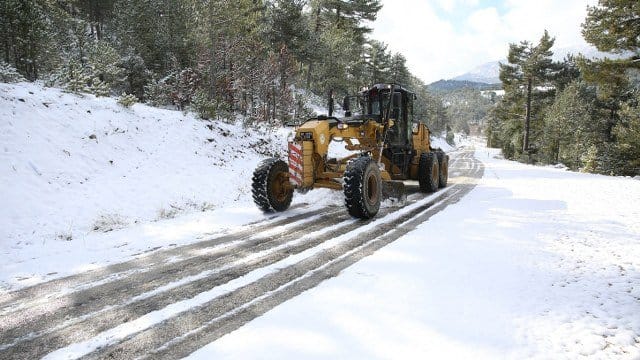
[(270, 185), (362, 188)]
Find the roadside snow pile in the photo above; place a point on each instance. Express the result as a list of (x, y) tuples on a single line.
[(75, 164)]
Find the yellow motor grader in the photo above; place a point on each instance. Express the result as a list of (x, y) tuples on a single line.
[(387, 146)]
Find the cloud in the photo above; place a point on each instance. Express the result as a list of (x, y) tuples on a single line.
[(419, 34), (447, 5), (562, 19), (486, 21), (451, 5), (445, 38)]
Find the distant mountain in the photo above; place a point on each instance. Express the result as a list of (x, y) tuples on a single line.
[(486, 73), (451, 85), (486, 76), (489, 72)]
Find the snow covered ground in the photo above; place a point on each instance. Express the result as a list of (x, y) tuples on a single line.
[(534, 263), (75, 169)]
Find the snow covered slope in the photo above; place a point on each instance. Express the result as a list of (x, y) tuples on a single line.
[(72, 166), (486, 73)]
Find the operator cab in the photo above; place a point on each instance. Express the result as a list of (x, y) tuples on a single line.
[(380, 103)]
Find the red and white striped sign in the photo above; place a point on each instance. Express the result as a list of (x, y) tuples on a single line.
[(295, 163)]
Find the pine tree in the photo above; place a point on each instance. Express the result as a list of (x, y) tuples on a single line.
[(571, 127), (159, 31), (104, 62), (8, 74), (74, 77), (428, 108), (96, 13), (136, 73), (613, 26), (242, 69), (26, 35), (219, 56), (627, 133), (287, 25), (528, 67), (339, 51), (398, 71), (341, 22), (378, 62), (568, 72), (466, 107), (352, 14)]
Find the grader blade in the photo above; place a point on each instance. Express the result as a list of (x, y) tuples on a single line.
[(394, 190)]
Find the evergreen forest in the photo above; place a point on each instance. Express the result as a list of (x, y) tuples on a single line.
[(262, 61), (579, 112)]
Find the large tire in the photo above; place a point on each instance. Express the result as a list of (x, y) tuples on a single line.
[(428, 172), (443, 160), (270, 185), (362, 188)]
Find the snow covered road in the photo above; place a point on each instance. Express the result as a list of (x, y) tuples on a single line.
[(534, 263), (172, 302)]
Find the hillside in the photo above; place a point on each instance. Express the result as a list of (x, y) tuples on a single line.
[(487, 73), (73, 165), (441, 86)]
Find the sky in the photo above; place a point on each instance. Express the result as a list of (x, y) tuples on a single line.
[(445, 38)]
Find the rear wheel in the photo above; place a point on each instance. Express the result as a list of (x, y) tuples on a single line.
[(443, 160), (428, 172), (362, 188), (270, 185)]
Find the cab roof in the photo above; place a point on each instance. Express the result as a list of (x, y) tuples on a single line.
[(387, 86)]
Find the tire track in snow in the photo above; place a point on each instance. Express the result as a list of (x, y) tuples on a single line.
[(79, 315), (41, 293), (184, 345), (207, 322), (105, 297), (139, 288)]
